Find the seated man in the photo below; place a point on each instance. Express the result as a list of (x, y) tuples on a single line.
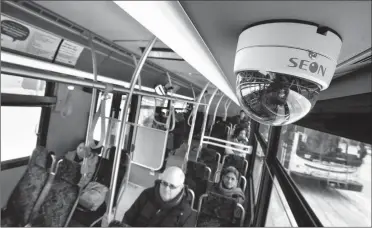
[(165, 204)]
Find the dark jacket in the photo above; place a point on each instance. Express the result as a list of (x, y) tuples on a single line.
[(147, 211)]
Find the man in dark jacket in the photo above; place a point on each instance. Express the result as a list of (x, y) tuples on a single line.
[(167, 204)]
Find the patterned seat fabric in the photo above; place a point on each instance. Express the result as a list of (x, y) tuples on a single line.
[(26, 192), (209, 157), (62, 196), (236, 161), (196, 179), (102, 175), (218, 211)]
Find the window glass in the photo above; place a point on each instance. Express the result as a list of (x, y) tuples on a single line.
[(97, 129), (257, 170), (22, 86), (332, 173), (123, 98), (18, 131), (264, 130), (279, 213)]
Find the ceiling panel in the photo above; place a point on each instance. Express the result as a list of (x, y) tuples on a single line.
[(120, 28), (220, 23)]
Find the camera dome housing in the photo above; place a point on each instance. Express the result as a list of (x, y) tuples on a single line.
[(281, 67)]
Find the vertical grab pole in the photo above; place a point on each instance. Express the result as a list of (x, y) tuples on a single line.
[(205, 122), (193, 92), (215, 113), (194, 112), (94, 93), (93, 100), (227, 104), (122, 130)]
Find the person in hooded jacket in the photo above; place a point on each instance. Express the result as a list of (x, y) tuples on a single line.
[(228, 185), (167, 204)]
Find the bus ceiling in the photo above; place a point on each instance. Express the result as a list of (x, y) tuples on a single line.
[(68, 46)]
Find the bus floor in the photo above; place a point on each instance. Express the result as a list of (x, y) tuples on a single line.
[(130, 193)]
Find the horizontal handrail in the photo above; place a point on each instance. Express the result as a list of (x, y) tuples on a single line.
[(229, 142), (232, 148)]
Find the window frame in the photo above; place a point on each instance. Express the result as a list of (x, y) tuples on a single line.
[(302, 212), (46, 103)]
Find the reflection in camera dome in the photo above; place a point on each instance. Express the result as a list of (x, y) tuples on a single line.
[(275, 99)]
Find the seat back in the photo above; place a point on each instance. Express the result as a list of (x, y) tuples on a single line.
[(29, 187), (211, 158), (240, 163), (196, 178), (62, 198), (197, 170), (219, 131), (217, 210)]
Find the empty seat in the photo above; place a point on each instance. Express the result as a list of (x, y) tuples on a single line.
[(62, 198), (28, 189), (240, 163), (197, 175), (211, 158), (215, 210), (198, 169)]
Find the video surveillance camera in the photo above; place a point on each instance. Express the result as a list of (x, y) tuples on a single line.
[(281, 67)]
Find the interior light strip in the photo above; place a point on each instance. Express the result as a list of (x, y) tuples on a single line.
[(41, 65)]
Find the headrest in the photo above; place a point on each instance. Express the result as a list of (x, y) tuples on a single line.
[(198, 169), (69, 171), (39, 157)]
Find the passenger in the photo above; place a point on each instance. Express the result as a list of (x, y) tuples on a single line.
[(228, 185), (239, 136), (241, 120), (88, 169), (168, 203)]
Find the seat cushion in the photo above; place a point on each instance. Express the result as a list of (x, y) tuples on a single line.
[(62, 196), (26, 192)]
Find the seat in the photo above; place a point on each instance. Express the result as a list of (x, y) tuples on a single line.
[(196, 178), (63, 196), (191, 192), (25, 194), (215, 210), (102, 175), (211, 158), (240, 163), (219, 131)]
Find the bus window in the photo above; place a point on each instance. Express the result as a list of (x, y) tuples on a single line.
[(264, 130), (18, 131), (279, 213), (332, 173), (97, 129), (257, 170), (22, 86), (147, 111)]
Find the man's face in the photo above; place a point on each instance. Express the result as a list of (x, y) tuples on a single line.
[(169, 190)]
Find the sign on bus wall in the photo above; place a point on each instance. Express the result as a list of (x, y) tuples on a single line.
[(69, 53), (18, 36)]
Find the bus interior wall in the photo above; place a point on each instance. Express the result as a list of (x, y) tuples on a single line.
[(63, 133)]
